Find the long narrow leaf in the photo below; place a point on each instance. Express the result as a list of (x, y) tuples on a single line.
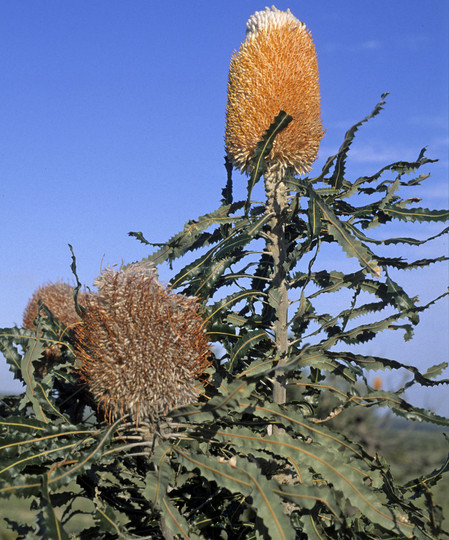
[(263, 148), (339, 173)]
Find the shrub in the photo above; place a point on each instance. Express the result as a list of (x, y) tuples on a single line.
[(256, 456)]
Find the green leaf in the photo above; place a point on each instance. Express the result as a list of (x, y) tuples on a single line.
[(227, 191), (338, 230), (107, 518), (435, 371), (245, 344), (421, 484), (33, 352), (140, 237), (265, 500), (314, 215), (339, 172), (52, 527), (415, 241), (79, 309), (203, 273), (158, 481), (376, 363), (217, 311), (174, 521), (401, 408), (219, 406), (401, 300), (343, 476), (239, 476), (397, 211), (185, 240), (243, 233), (10, 338), (263, 148)]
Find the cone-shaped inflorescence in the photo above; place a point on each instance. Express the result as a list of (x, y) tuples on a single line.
[(141, 347), (275, 69), (58, 298)]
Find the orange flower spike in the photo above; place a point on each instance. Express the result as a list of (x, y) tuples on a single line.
[(275, 69)]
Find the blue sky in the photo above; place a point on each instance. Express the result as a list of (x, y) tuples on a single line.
[(112, 120)]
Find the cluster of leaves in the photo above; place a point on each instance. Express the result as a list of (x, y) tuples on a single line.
[(236, 464)]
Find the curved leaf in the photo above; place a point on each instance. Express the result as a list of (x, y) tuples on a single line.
[(263, 148)]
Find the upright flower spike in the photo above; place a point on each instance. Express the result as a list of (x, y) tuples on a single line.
[(141, 347), (275, 69)]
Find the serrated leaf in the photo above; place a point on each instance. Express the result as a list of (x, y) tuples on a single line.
[(240, 476), (293, 419), (33, 352), (174, 521), (341, 156), (140, 237), (342, 476), (415, 214), (314, 221), (419, 485), (376, 363), (312, 527), (217, 407), (242, 234), (182, 242), (401, 300), (435, 371), (78, 308), (269, 507), (157, 481), (9, 339), (414, 241), (21, 424), (107, 518), (411, 412), (366, 332), (338, 230), (203, 273), (243, 345), (52, 527), (226, 192), (221, 471)]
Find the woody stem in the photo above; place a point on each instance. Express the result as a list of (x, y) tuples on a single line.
[(277, 202)]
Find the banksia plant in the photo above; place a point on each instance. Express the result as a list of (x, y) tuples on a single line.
[(275, 73), (275, 70), (141, 347), (58, 298), (281, 443)]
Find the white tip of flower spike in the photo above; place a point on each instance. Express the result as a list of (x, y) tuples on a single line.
[(274, 18)]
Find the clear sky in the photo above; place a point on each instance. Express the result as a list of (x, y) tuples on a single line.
[(112, 120)]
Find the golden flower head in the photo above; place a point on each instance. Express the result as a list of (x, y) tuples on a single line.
[(58, 298), (275, 69), (141, 347)]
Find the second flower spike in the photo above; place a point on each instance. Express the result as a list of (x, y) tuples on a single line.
[(140, 346)]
